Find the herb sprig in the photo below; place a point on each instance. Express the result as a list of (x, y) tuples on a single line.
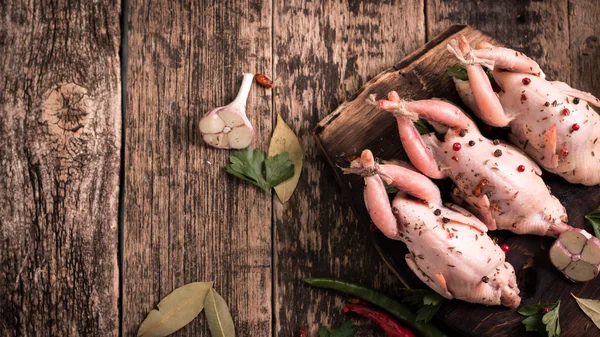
[(252, 165), (427, 301), (543, 318), (594, 219), (343, 330)]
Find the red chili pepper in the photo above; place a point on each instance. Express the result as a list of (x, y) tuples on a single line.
[(385, 321), (303, 332)]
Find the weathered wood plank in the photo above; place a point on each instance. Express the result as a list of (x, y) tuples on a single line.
[(185, 219), (584, 46), (59, 167), (325, 51), (540, 29)]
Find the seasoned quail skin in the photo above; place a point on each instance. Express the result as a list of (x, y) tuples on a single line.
[(553, 123), (449, 248), (495, 181)]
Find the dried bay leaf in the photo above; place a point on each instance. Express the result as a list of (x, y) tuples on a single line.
[(218, 317), (175, 310), (590, 307), (285, 140)]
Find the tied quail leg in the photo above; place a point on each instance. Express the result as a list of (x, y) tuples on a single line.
[(495, 180), (553, 123), (449, 248)]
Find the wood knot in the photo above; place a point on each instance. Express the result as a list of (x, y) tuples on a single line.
[(65, 109)]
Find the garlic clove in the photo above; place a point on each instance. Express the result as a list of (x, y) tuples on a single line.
[(231, 117), (240, 137), (581, 271), (212, 123), (560, 256), (219, 140), (591, 253), (573, 241)]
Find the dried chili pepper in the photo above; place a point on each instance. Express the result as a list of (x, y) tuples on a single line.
[(303, 332), (263, 80), (385, 321)]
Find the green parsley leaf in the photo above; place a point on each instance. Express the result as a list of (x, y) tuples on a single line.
[(324, 332), (534, 323), (594, 219), (432, 298), (551, 320), (532, 309), (545, 324), (422, 126), (457, 71), (428, 302), (426, 312), (250, 164), (343, 330), (279, 169), (390, 189)]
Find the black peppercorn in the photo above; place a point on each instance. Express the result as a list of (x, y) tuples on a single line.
[(496, 142), (547, 104), (576, 100), (471, 143), (462, 133), (437, 212), (445, 220), (485, 279), (498, 153)]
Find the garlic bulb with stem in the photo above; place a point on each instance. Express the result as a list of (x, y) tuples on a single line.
[(227, 127)]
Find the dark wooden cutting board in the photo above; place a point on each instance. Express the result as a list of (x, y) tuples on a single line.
[(355, 125)]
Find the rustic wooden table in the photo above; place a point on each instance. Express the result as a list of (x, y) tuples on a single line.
[(109, 200)]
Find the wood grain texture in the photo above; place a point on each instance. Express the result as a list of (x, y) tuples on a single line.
[(185, 219), (324, 51), (60, 121), (584, 36), (539, 29), (423, 75)]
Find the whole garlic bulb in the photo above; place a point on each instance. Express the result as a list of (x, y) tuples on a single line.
[(227, 127)]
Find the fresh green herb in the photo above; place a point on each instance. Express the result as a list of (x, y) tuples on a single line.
[(552, 322), (427, 301), (344, 330), (422, 126), (250, 165), (594, 219), (534, 323), (458, 71), (390, 189), (546, 324)]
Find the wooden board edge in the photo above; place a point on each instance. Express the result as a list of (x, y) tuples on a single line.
[(412, 57), (409, 59), (346, 192)]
